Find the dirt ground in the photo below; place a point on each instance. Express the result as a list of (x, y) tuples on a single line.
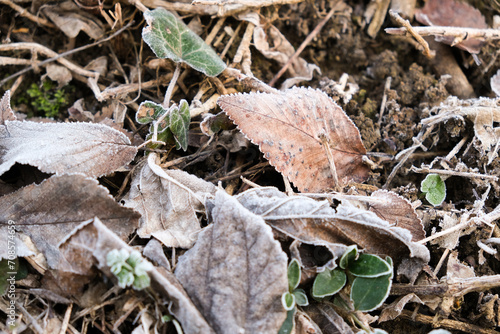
[(387, 70)]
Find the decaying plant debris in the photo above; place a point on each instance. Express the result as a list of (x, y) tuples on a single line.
[(219, 172)]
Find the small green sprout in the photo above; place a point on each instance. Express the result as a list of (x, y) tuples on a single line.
[(47, 98), (293, 296), (130, 269), (434, 189)]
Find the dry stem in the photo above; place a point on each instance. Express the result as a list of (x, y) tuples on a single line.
[(406, 24)]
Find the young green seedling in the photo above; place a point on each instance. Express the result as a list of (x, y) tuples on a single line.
[(293, 296), (169, 37), (130, 269), (434, 189)]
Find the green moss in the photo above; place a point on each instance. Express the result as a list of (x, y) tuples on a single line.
[(47, 100)]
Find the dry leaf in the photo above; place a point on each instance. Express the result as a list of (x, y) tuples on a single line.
[(6, 112), (50, 211), (96, 241), (399, 212), (495, 83), (449, 13), (281, 51), (393, 310), (58, 73), (236, 272), (71, 20), (64, 148), (287, 125), (327, 319), (314, 222), (168, 201), (154, 251)]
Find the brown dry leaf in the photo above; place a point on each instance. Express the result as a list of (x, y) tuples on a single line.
[(399, 212), (71, 20), (6, 112), (314, 222), (93, 240), (495, 83), (236, 272), (64, 148), (305, 325), (393, 310), (50, 211), (58, 73), (450, 13), (287, 125), (281, 51), (327, 319), (168, 201)]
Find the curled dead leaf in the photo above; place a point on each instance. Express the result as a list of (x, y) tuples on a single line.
[(288, 127)]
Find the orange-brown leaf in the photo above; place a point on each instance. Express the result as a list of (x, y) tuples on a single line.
[(287, 125)]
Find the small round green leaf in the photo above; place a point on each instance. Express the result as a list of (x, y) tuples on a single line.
[(300, 297), (148, 112), (434, 188), (169, 37), (328, 282), (288, 301), (369, 265), (349, 255), (293, 274), (368, 294)]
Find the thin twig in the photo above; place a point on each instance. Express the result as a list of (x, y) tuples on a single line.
[(406, 24), (58, 57), (25, 13), (308, 39), (425, 170), (460, 33), (245, 43)]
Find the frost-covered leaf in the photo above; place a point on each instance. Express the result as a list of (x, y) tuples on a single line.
[(328, 283), (315, 222), (368, 293), (300, 297), (349, 255), (293, 274), (51, 210), (398, 211), (6, 112), (93, 242), (434, 189), (451, 13), (236, 272), (287, 127), (168, 201), (71, 20), (64, 148), (169, 37), (149, 112), (179, 124), (395, 308), (288, 301), (369, 265), (495, 83)]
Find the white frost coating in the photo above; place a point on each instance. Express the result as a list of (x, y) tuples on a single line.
[(64, 148)]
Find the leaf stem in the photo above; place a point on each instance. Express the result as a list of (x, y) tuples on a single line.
[(170, 89)]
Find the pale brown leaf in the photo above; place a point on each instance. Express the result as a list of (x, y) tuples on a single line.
[(236, 272), (94, 241), (393, 310), (314, 222), (327, 319), (64, 148), (168, 201), (71, 20), (50, 211), (6, 112), (287, 125), (450, 13), (399, 212)]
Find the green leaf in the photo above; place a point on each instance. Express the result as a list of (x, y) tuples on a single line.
[(300, 297), (169, 37), (149, 112), (293, 274), (328, 282), (287, 326), (288, 301), (368, 265), (434, 188), (179, 124), (368, 294), (349, 255)]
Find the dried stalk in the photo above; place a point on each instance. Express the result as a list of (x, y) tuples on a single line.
[(426, 170), (461, 34), (408, 27)]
